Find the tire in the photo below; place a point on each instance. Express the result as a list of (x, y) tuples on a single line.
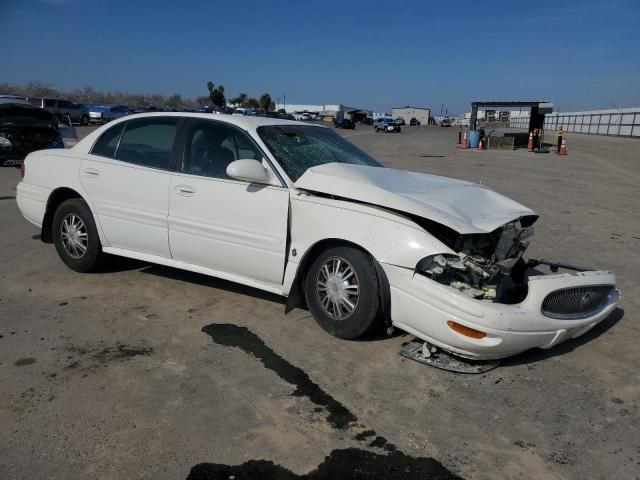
[(84, 120), (376, 129), (337, 318), (74, 216)]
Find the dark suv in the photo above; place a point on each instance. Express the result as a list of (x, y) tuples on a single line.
[(62, 108)]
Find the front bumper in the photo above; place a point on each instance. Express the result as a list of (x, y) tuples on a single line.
[(422, 307)]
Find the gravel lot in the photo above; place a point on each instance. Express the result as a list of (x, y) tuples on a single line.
[(144, 371)]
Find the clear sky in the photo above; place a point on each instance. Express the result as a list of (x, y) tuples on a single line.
[(370, 54)]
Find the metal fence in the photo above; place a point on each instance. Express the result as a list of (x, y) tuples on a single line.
[(621, 122)]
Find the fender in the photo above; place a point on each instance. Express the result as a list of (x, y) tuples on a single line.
[(58, 169), (389, 237)]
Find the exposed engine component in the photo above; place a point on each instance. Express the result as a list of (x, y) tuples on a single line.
[(483, 262)]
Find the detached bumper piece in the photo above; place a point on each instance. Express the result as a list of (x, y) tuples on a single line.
[(423, 352)]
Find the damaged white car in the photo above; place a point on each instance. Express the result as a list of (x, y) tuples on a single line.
[(295, 209)]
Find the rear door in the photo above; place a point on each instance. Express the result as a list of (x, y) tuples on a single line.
[(127, 175)]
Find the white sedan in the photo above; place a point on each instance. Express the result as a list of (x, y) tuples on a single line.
[(295, 209)]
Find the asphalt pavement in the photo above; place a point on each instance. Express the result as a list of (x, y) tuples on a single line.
[(143, 371)]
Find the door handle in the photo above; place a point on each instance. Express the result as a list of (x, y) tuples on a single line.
[(185, 190), (91, 172)]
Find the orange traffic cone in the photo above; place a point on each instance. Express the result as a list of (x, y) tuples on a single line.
[(480, 145), (465, 140), (530, 144), (563, 147)]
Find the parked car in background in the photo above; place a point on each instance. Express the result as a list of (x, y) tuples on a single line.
[(95, 113), (414, 122), (145, 109), (208, 110), (114, 112), (445, 122), (296, 210), (13, 99), (107, 113), (244, 111), (24, 129), (60, 108), (281, 115), (400, 121), (386, 125), (344, 123), (67, 132)]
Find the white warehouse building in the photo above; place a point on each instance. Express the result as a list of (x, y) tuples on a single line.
[(332, 110), (407, 113)]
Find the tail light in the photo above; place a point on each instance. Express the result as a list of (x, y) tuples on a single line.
[(22, 170)]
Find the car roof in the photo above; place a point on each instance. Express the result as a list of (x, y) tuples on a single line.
[(13, 100), (246, 122)]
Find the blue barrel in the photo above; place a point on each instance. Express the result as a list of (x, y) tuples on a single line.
[(474, 138)]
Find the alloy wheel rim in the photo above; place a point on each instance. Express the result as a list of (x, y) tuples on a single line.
[(337, 288), (74, 236)]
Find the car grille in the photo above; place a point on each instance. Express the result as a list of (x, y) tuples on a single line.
[(576, 302)]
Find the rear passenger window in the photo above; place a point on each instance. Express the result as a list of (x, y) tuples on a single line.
[(108, 141), (49, 103), (148, 142)]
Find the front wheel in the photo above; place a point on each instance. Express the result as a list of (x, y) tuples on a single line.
[(76, 237), (341, 290)]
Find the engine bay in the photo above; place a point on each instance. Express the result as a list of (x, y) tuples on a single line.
[(487, 266)]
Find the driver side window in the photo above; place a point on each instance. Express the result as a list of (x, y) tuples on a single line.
[(212, 146)]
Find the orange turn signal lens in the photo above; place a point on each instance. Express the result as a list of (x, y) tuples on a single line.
[(466, 331)]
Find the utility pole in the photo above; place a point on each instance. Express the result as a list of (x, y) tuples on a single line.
[(284, 101)]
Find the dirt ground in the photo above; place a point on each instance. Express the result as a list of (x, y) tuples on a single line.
[(144, 371)]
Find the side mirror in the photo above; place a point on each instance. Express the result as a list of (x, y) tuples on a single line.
[(248, 170)]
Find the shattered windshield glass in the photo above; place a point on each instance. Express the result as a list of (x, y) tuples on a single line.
[(300, 147)]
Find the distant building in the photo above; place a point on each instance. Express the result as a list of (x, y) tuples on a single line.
[(299, 107), (407, 113), (335, 110)]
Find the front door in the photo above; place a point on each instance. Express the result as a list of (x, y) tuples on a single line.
[(221, 223), (127, 176)]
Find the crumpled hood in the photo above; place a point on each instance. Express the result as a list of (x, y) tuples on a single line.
[(465, 207)]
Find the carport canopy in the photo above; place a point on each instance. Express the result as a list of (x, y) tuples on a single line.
[(539, 107)]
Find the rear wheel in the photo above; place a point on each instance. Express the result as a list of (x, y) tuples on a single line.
[(84, 120), (76, 237), (341, 290)]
